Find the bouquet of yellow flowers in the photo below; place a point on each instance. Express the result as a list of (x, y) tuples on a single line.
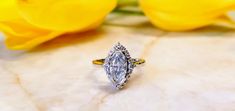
[(28, 23)]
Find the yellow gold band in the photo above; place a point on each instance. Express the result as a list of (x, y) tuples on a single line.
[(135, 61)]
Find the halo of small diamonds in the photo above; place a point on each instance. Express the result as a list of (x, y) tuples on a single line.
[(118, 65)]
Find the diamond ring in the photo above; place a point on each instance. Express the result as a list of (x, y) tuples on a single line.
[(118, 65)]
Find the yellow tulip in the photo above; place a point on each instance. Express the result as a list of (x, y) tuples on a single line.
[(180, 15), (28, 23)]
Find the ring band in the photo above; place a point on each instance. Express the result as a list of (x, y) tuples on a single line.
[(118, 65), (135, 61)]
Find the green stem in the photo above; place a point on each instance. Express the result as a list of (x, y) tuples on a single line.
[(123, 5), (129, 12)]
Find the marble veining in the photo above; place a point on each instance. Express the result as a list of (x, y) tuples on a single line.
[(185, 71)]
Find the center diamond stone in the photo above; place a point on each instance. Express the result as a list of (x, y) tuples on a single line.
[(118, 66)]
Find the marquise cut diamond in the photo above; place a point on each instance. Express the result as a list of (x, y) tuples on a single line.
[(118, 65)]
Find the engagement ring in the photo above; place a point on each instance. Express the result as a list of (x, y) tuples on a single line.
[(118, 65)]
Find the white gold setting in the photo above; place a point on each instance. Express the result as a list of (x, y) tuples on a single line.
[(118, 65)]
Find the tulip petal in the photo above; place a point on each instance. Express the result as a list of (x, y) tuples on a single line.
[(64, 15), (225, 21), (180, 15), (28, 23), (22, 36), (8, 10)]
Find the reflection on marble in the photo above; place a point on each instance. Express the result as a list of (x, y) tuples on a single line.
[(187, 71)]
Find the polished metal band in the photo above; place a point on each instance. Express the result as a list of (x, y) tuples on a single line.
[(135, 61)]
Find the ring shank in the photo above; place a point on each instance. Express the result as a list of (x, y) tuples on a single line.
[(98, 61), (135, 61)]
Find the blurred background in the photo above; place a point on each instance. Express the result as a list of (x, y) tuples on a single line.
[(46, 49)]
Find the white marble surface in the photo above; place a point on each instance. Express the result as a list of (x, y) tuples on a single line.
[(185, 71)]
